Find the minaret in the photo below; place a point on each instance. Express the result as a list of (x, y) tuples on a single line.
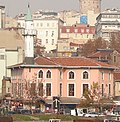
[(29, 35)]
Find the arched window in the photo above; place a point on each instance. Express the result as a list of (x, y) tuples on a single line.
[(85, 75), (71, 75), (40, 74), (48, 74)]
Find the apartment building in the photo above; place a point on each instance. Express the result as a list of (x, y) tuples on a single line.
[(108, 21), (80, 33), (47, 27)]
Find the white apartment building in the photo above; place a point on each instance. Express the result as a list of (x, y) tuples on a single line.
[(47, 27), (48, 31), (107, 22)]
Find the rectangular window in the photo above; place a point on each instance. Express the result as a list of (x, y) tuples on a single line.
[(52, 33), (41, 24), (29, 69), (115, 58), (52, 41), (46, 33), (32, 89), (109, 76), (40, 89), (2, 57), (102, 75), (109, 89), (118, 86), (60, 89), (8, 89), (47, 24), (67, 30), (76, 30), (46, 41), (48, 89), (85, 88), (71, 90), (102, 89)]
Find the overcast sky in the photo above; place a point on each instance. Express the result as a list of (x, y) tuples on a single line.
[(14, 7)]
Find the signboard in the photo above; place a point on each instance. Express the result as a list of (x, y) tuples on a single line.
[(83, 19), (56, 102)]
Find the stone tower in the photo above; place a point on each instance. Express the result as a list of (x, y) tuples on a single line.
[(90, 5)]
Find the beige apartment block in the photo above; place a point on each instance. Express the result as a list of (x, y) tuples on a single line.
[(10, 22), (11, 52), (78, 32), (69, 17)]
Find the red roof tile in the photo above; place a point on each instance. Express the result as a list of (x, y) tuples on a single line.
[(44, 61), (99, 54), (67, 62), (79, 61)]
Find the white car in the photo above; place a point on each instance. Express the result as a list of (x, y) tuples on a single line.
[(91, 114)]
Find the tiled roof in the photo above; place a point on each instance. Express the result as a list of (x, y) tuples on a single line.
[(77, 62), (99, 54), (71, 61), (44, 61)]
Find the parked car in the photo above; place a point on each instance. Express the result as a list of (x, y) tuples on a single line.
[(91, 114), (9, 113), (24, 111)]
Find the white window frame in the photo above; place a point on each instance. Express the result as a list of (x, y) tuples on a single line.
[(68, 75), (88, 75), (68, 89), (89, 86), (38, 74), (46, 87), (46, 74)]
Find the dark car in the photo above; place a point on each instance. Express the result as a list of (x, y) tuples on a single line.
[(11, 113), (25, 111)]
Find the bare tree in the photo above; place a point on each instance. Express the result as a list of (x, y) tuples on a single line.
[(92, 45), (115, 41)]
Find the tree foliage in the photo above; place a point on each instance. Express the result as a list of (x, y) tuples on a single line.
[(89, 96), (115, 41), (92, 45)]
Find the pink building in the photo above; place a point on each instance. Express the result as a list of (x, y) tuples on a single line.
[(64, 77)]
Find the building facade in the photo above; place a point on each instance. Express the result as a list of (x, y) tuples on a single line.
[(47, 31), (80, 33), (64, 77), (107, 55), (108, 22)]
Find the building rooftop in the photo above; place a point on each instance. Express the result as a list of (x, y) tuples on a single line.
[(67, 62)]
